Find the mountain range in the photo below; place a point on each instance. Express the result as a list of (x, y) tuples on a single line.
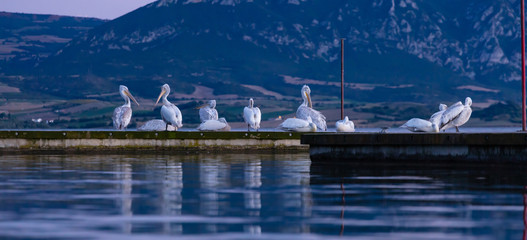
[(395, 50)]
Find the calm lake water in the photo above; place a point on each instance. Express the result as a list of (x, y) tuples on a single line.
[(262, 196)]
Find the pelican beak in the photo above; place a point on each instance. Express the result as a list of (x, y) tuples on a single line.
[(160, 95), (308, 100), (131, 97), (202, 106)]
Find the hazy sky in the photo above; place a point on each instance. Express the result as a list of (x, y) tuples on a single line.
[(106, 9)]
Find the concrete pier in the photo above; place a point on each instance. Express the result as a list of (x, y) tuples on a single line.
[(16, 141), (421, 147)]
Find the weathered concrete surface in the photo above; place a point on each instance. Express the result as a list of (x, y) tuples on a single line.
[(132, 141), (495, 147)]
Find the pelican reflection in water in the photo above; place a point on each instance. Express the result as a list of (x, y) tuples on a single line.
[(122, 115), (306, 110), (169, 112)]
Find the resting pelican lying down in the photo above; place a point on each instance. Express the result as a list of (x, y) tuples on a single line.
[(215, 125), (298, 125), (420, 125), (156, 125), (345, 125)]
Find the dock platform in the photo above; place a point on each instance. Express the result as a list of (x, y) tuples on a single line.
[(55, 141), (421, 147)]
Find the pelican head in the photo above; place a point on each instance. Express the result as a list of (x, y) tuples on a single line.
[(165, 90), (251, 102), (123, 90), (442, 107), (346, 119), (306, 93), (211, 104), (468, 101)]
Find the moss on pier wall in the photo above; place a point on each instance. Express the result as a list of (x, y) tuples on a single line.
[(128, 141)]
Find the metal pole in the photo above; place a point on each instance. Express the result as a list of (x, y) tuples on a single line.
[(523, 63), (342, 78)]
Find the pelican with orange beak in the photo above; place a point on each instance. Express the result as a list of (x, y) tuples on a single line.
[(306, 110), (169, 112), (122, 115)]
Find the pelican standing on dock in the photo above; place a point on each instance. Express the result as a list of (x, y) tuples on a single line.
[(306, 110), (207, 111), (345, 125), (456, 115), (420, 125), (214, 125), (298, 125), (436, 117), (122, 115), (169, 112), (252, 116)]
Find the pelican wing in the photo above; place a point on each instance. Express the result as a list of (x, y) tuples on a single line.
[(436, 117), (121, 117), (463, 116), (450, 114), (418, 125), (208, 113), (317, 117), (248, 117), (212, 125), (257, 117), (172, 115), (294, 124)]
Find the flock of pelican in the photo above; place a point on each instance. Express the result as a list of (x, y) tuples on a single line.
[(307, 119), (447, 117)]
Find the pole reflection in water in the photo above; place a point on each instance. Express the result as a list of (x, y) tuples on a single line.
[(524, 213)]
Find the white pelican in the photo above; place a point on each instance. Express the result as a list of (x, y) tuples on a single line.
[(207, 111), (456, 115), (122, 115), (215, 125), (306, 110), (420, 125), (155, 125), (436, 117), (298, 125), (345, 125), (252, 116), (169, 112)]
